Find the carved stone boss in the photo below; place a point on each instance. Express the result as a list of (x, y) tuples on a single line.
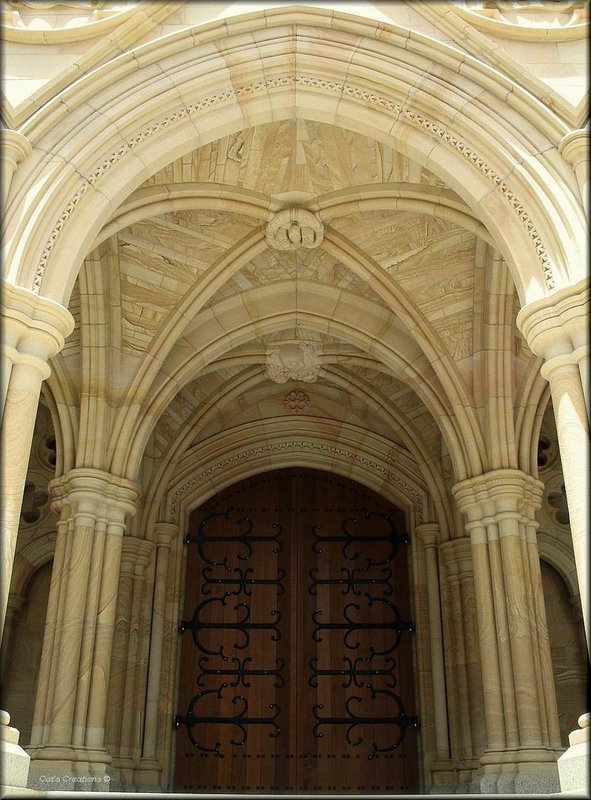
[(296, 361)]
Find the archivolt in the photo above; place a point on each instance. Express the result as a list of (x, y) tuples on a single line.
[(202, 473), (411, 113), (31, 558), (251, 378)]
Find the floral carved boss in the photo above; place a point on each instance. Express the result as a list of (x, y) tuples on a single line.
[(293, 361), (293, 228)]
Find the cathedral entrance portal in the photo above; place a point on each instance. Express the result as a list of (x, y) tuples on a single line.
[(296, 670)]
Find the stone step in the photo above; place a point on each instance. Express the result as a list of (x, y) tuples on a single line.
[(223, 796)]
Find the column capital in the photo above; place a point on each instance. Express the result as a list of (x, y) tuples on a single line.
[(15, 146), (496, 492), (96, 492), (574, 146), (428, 533), (165, 533), (457, 556), (557, 325), (135, 555), (463, 552), (448, 558), (15, 604), (577, 606), (34, 328)]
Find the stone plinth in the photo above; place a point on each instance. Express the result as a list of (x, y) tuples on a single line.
[(14, 761), (574, 764)]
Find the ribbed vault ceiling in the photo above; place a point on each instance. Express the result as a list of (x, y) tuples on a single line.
[(427, 302)]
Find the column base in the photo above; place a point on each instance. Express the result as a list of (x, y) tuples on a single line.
[(122, 772), (148, 775), (574, 764), (531, 771), (14, 760), (69, 769), (444, 777)]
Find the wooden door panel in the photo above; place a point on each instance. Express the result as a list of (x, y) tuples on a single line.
[(296, 664)]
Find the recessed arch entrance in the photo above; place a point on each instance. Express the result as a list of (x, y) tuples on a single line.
[(212, 198), (297, 655)]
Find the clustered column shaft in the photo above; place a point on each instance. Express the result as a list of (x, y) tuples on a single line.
[(463, 656), (165, 534), (519, 699), (557, 329), (70, 709), (33, 330), (429, 535)]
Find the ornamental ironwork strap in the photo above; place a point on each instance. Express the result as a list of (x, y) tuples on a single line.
[(354, 578), (244, 539), (364, 670), (243, 581), (231, 671), (353, 673), (350, 626), (399, 719), (241, 672), (240, 720), (392, 538), (242, 627)]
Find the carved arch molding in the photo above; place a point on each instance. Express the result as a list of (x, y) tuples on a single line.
[(262, 87)]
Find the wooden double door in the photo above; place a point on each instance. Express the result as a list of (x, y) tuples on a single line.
[(296, 667)]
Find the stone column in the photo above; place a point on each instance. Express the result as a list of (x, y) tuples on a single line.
[(474, 718), (15, 147), (574, 146), (13, 609), (520, 704), (150, 767), (165, 533), (429, 536), (33, 330), (557, 329), (125, 693), (462, 655), (463, 555), (67, 740)]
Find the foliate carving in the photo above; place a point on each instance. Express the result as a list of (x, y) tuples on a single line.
[(294, 228), (296, 401), (558, 14), (22, 16), (547, 452), (34, 500), (247, 90), (296, 361), (558, 501)]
